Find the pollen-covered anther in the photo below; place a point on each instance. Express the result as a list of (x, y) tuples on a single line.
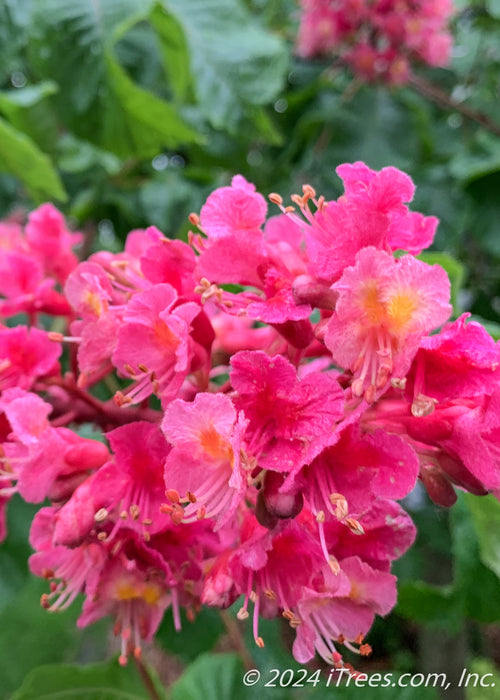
[(189, 586), (123, 515), (337, 659), (340, 639), (423, 406), (56, 338), (354, 526), (340, 504), (357, 387), (134, 511), (129, 370), (45, 601), (191, 497), (242, 614), (299, 201), (398, 383), (142, 368), (333, 564), (365, 650), (260, 642), (101, 536), (309, 191), (194, 219), (121, 400), (147, 521), (101, 515), (370, 394), (275, 198), (201, 512), (320, 516), (270, 595), (253, 597), (172, 495), (177, 513), (208, 290)]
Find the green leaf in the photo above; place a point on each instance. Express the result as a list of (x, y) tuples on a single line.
[(485, 513), (167, 200), (77, 156), (79, 30), (21, 157), (15, 550), (429, 605), (211, 677), (97, 100), (29, 111), (476, 159), (194, 638), (174, 50), (234, 62), (14, 16), (488, 671), (493, 7), (454, 269), (41, 637), (135, 122), (103, 681), (476, 585)]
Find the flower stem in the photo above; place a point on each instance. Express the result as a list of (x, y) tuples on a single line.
[(146, 679), (443, 99)]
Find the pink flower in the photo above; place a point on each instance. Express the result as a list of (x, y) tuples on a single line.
[(130, 488), (231, 210), (379, 39), (52, 242), (360, 468), (206, 464), (73, 569), (338, 231), (235, 258), (161, 361), (290, 420), (461, 360), (387, 534), (324, 618), (133, 587), (170, 261), (26, 354), (384, 308)]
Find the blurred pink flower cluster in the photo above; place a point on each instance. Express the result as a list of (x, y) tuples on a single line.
[(379, 39), (275, 392)]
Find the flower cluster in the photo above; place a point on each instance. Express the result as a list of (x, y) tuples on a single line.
[(378, 40), (275, 390)]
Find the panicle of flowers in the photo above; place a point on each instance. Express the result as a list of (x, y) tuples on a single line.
[(379, 40), (258, 436)]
